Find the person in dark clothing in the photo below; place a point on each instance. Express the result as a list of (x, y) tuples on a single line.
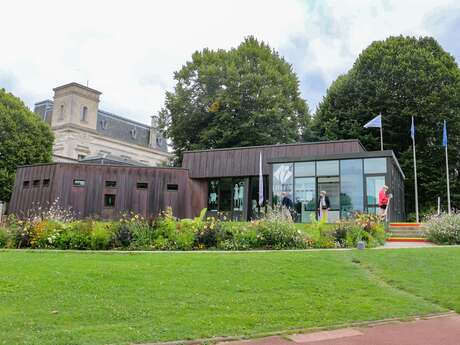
[(286, 201), (286, 206)]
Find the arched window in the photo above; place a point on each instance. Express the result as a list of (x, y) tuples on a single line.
[(84, 113), (61, 113)]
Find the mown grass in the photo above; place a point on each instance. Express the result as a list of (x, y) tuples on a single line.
[(120, 298)]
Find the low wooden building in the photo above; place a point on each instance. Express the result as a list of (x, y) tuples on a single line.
[(222, 180)]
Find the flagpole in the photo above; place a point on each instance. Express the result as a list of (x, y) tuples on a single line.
[(381, 132), (448, 184), (415, 173)]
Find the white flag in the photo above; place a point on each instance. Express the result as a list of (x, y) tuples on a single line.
[(261, 182), (375, 122)]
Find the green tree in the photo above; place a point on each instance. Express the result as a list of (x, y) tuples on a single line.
[(24, 139), (401, 77), (240, 97)]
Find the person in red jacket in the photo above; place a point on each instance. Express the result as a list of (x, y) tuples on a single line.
[(383, 200)]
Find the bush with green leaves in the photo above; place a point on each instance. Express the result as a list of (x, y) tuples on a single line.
[(4, 237), (443, 228), (362, 227)]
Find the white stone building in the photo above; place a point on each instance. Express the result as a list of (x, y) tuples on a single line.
[(83, 132)]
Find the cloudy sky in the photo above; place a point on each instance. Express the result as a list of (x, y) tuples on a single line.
[(129, 50)]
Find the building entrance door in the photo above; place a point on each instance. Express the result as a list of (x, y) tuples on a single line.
[(331, 186), (373, 186)]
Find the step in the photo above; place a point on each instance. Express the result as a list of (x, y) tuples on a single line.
[(407, 239), (407, 233)]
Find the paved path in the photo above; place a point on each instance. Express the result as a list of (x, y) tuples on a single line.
[(439, 330)]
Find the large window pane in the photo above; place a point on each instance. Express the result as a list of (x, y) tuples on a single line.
[(305, 199), (351, 187), (305, 169), (282, 181), (327, 168), (225, 194), (375, 165), (373, 186)]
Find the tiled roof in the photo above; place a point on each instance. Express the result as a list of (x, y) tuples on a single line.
[(116, 127)]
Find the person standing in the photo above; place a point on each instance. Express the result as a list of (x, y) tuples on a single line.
[(286, 206), (383, 200), (324, 205)]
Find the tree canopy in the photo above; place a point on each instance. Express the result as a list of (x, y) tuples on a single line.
[(24, 139), (401, 77), (245, 96)]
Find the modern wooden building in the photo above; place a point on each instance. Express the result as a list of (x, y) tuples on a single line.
[(223, 180)]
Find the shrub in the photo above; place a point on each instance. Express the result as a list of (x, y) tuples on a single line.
[(77, 235), (135, 232), (443, 229), (237, 236), (4, 237), (269, 232), (121, 236), (44, 233), (101, 236), (19, 232), (362, 227)]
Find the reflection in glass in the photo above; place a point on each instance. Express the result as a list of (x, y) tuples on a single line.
[(213, 195), (238, 196), (305, 169), (327, 168), (282, 181), (305, 199), (351, 184), (375, 165), (373, 186)]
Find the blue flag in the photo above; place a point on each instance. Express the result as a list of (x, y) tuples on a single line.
[(375, 122), (412, 129), (444, 134)]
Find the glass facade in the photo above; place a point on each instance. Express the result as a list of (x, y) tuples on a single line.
[(352, 185)]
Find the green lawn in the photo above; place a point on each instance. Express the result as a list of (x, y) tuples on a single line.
[(99, 298)]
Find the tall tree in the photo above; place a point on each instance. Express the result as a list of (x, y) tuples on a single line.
[(241, 97), (401, 77), (24, 139)]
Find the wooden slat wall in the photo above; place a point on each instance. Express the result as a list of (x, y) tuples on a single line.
[(245, 161), (88, 201), (32, 197)]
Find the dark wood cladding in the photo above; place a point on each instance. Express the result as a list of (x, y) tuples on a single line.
[(88, 201), (244, 161)]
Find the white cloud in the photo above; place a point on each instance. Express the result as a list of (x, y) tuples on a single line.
[(129, 50)]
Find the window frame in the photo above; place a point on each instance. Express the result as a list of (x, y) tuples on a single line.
[(76, 183), (142, 183), (110, 184), (106, 198), (172, 187)]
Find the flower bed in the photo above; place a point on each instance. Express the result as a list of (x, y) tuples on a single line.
[(57, 230), (443, 228)]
